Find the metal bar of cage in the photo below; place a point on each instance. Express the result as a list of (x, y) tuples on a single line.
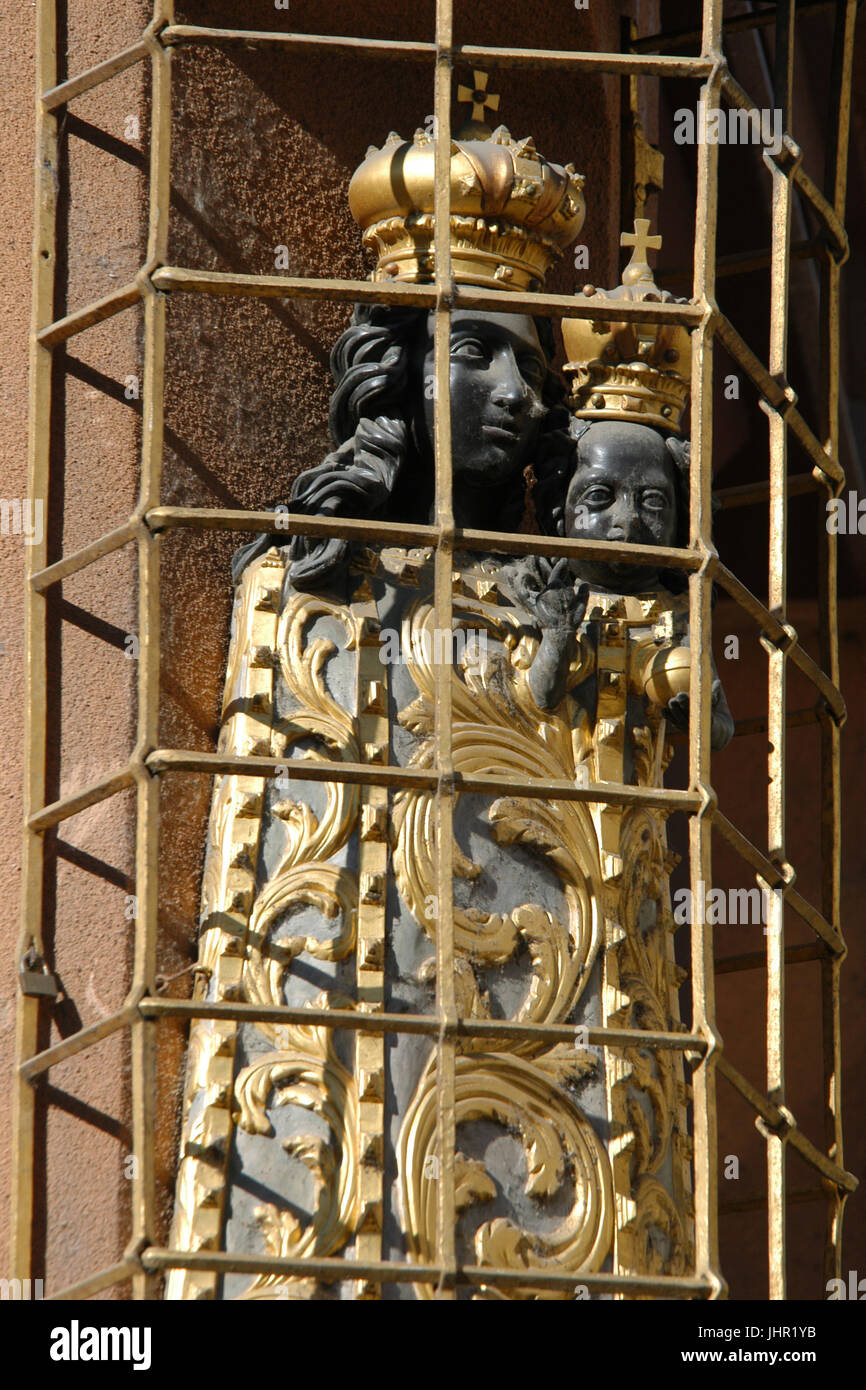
[(780, 1118), (771, 627), (780, 220), (218, 282), (748, 494), (143, 1010), (776, 394), (56, 95), (741, 262), (757, 960), (838, 126), (629, 64), (781, 398), (329, 1269), (59, 94), (443, 860), (421, 1024), (625, 64), (472, 54), (704, 1113), (692, 1044), (668, 799), (35, 709), (741, 24), (96, 312), (163, 518), (144, 1069), (392, 1272), (795, 718), (834, 229), (381, 775), (794, 1198)]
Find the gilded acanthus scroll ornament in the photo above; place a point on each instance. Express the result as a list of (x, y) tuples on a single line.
[(498, 729), (561, 1151)]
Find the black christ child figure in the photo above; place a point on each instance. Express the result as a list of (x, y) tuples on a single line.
[(629, 485)]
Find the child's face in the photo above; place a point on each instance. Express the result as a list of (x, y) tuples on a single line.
[(623, 490)]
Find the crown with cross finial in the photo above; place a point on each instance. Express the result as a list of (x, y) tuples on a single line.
[(512, 211), (629, 371)]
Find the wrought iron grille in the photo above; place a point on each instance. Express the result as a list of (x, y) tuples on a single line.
[(144, 1261)]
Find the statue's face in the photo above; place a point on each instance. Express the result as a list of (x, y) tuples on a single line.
[(498, 369), (623, 490)]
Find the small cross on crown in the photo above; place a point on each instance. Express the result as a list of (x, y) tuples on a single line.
[(479, 96), (638, 267)]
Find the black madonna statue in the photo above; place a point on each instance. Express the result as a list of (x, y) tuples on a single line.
[(304, 1142)]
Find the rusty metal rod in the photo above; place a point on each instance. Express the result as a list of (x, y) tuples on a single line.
[(103, 1279), (96, 312), (773, 1116), (835, 185), (746, 494), (393, 1272), (40, 420), (425, 1025), (476, 54), (676, 38), (756, 960), (775, 395), (181, 278), (70, 805), (93, 76), (77, 1042), (834, 228)]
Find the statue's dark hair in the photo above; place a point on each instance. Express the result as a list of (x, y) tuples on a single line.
[(555, 471), (375, 470)]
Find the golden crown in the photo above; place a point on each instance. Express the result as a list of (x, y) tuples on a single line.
[(630, 371), (512, 211)]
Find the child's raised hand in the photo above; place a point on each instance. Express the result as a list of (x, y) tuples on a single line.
[(561, 604)]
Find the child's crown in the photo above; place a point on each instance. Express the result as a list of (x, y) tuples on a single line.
[(630, 371)]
